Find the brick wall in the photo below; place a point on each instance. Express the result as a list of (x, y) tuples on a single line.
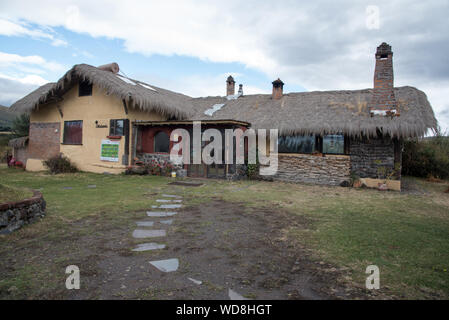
[(383, 94), (44, 140), (328, 170)]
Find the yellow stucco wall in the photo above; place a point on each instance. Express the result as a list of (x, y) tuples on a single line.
[(97, 107)]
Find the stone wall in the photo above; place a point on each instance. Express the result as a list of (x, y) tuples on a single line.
[(14, 215), (370, 157), (158, 157), (327, 170)]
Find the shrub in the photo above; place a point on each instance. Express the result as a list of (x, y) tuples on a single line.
[(60, 164), (21, 125), (252, 170), (427, 157)]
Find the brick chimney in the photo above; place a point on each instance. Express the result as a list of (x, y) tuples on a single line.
[(278, 88), (383, 101), (230, 86)]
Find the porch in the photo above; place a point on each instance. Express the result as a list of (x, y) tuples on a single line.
[(151, 142)]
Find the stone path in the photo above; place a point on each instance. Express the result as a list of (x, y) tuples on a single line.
[(171, 264), (143, 233)]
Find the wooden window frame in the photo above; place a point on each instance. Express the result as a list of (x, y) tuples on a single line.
[(113, 127), (64, 137)]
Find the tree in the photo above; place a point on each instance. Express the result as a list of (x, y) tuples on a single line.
[(21, 125)]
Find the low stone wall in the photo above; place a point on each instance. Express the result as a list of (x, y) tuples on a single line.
[(327, 170), (161, 158), (14, 215)]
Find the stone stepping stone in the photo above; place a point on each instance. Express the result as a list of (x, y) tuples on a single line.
[(198, 282), (165, 200), (67, 188), (149, 246), (170, 206), (145, 223), (166, 221), (92, 186), (171, 196), (235, 296), (168, 265), (139, 233), (161, 213)]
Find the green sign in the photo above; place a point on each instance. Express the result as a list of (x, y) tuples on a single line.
[(109, 150)]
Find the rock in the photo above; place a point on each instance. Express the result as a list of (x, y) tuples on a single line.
[(345, 184)]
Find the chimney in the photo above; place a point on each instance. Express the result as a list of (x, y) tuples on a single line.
[(230, 86), (383, 101), (240, 93), (111, 67), (278, 87)]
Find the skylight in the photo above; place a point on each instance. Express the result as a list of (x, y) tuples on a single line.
[(147, 86), (215, 107), (129, 81)]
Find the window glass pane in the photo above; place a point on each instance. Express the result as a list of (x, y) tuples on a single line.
[(296, 144), (117, 128), (161, 142), (334, 143), (73, 132)]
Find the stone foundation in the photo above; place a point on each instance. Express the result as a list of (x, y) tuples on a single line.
[(306, 168), (14, 215)]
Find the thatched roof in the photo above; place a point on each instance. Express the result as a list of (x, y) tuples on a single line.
[(322, 112), (318, 112), (137, 93), (18, 142)]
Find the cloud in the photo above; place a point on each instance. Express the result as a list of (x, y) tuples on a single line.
[(11, 90), (10, 28), (31, 79), (21, 62), (199, 85), (316, 45)]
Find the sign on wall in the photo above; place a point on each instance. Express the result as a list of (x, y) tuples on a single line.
[(109, 150)]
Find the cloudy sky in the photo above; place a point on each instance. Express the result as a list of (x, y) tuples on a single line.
[(191, 46)]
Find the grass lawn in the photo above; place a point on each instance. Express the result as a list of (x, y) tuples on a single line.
[(9, 194), (405, 234)]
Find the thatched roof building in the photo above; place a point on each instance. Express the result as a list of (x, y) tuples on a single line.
[(136, 93), (319, 112), (324, 112), (18, 142)]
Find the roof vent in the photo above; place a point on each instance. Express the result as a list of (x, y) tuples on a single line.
[(111, 67)]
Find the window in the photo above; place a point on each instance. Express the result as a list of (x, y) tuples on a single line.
[(117, 127), (161, 142), (296, 144), (73, 132), (334, 143), (84, 88)]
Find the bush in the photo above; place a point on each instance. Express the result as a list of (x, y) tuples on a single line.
[(60, 164), (427, 157), (21, 125)]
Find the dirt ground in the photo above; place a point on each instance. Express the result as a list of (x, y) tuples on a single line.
[(219, 243)]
